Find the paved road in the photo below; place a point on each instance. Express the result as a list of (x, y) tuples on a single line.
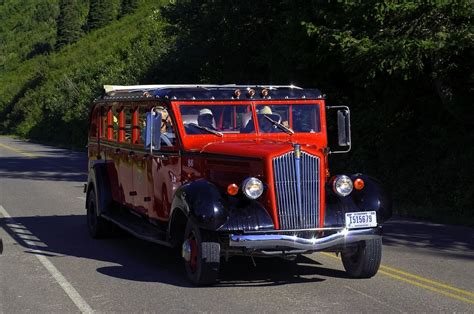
[(50, 264)]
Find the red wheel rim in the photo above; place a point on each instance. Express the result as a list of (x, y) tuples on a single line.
[(194, 252)]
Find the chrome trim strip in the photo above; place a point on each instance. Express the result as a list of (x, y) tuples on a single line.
[(298, 161), (280, 241), (295, 230)]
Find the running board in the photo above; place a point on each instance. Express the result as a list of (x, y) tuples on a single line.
[(137, 226)]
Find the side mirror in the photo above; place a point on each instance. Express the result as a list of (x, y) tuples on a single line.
[(153, 131), (343, 118), (344, 127)]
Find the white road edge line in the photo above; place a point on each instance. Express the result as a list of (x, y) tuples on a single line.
[(60, 279)]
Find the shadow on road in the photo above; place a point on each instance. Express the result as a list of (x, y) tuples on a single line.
[(61, 168), (446, 240), (139, 260)]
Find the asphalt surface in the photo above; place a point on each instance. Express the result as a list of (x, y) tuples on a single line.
[(50, 264)]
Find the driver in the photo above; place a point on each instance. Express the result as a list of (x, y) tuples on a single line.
[(206, 119)]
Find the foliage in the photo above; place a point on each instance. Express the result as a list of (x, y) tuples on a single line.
[(128, 6), (101, 13), (404, 67), (68, 23), (29, 22), (48, 97)]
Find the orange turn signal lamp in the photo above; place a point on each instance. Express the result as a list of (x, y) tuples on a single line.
[(359, 184), (232, 189)]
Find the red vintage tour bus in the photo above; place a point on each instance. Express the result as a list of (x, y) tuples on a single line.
[(224, 170)]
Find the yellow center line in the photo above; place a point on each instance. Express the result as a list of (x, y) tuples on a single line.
[(448, 294), (433, 282), (19, 151), (33, 155), (386, 270)]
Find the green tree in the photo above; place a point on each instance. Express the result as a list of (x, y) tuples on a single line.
[(128, 6), (101, 13), (68, 23)]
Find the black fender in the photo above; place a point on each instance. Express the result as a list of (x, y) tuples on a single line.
[(214, 210), (373, 197), (201, 201), (247, 215), (98, 180)]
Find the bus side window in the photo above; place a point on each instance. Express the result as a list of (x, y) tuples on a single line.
[(142, 124), (103, 122), (127, 127), (114, 122)]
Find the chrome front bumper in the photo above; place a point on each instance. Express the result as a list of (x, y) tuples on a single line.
[(282, 242)]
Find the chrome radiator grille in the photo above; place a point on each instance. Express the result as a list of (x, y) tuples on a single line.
[(297, 190)]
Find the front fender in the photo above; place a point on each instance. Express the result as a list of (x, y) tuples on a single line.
[(201, 201), (373, 197)]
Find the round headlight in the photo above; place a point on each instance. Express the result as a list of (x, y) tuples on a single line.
[(342, 185), (252, 188)]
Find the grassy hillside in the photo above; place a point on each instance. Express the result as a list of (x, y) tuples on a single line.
[(48, 96), (27, 29)]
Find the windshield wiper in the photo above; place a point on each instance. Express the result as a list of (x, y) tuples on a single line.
[(279, 125), (207, 129)]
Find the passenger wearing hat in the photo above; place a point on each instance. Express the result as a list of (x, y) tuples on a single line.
[(206, 118), (166, 125), (264, 124)]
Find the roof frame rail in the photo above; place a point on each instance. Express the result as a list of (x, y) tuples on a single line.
[(113, 89)]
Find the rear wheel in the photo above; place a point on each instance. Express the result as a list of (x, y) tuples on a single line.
[(364, 262), (201, 254), (98, 226)]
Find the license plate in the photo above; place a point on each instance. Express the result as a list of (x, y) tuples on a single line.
[(361, 219)]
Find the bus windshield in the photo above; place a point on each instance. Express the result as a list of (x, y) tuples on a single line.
[(221, 119)]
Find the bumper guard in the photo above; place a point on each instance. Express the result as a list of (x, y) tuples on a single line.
[(280, 241)]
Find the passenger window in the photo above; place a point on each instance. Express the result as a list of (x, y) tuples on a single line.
[(142, 125), (168, 137), (115, 122), (103, 122), (128, 125)]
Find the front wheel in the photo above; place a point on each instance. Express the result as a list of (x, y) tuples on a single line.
[(201, 254), (364, 262)]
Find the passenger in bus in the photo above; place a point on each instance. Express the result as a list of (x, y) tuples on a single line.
[(206, 119), (264, 125), (166, 130)]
